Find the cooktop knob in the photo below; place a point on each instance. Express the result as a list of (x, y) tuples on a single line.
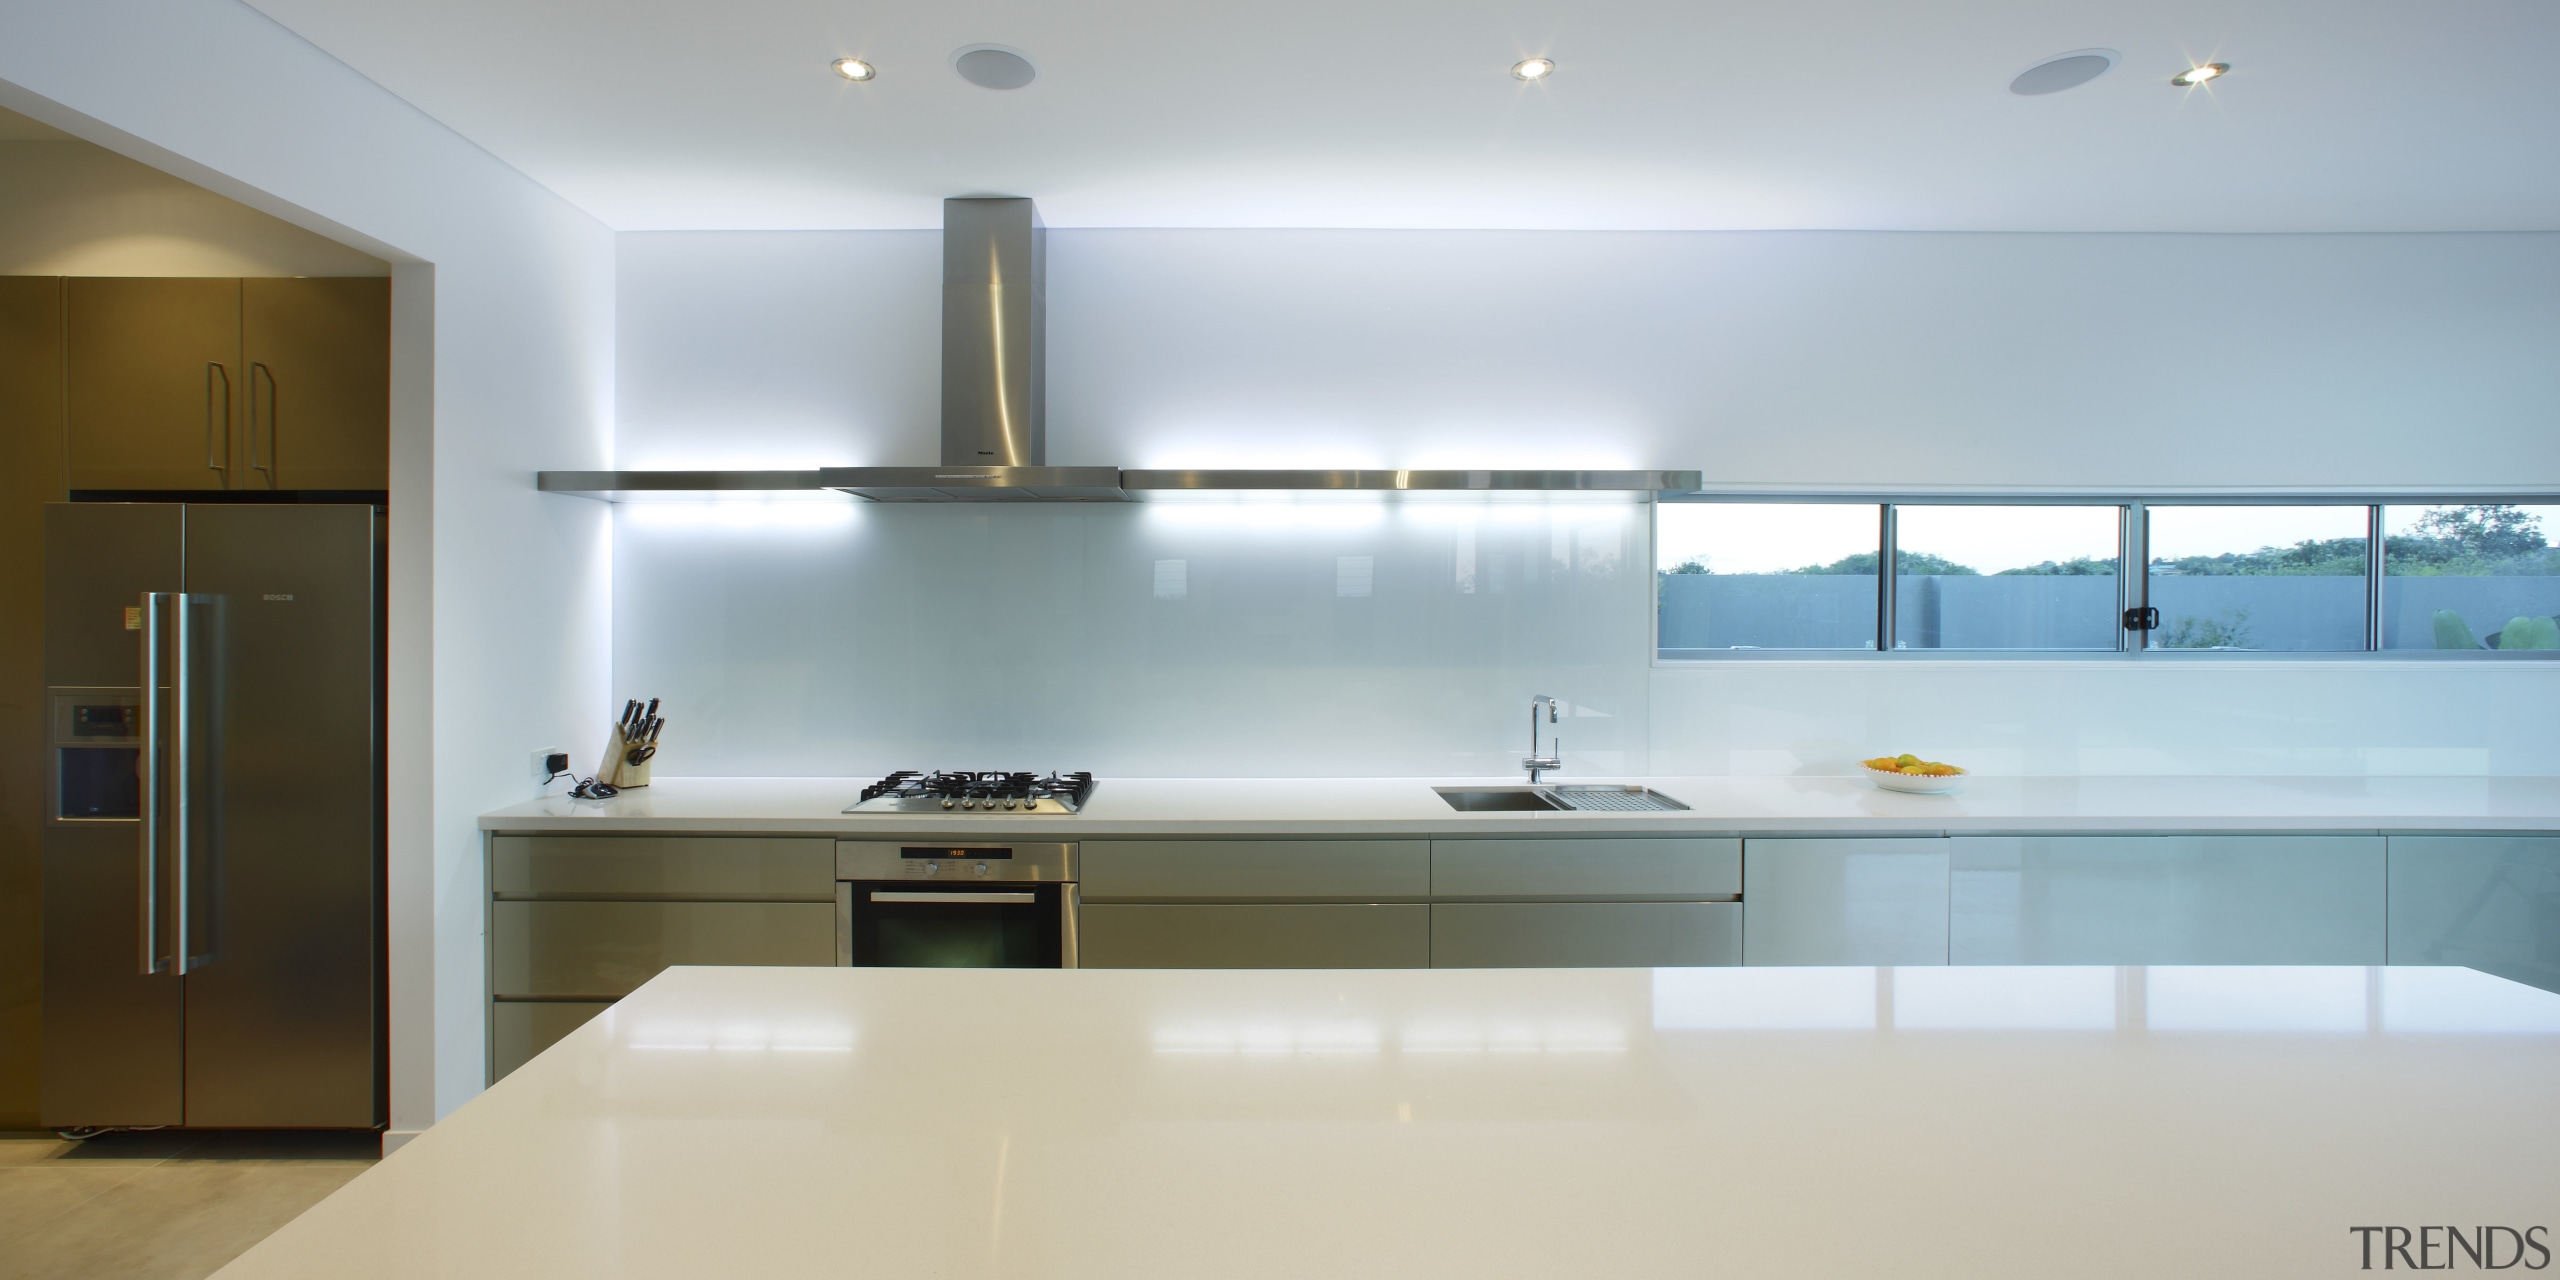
[(1008, 804), (946, 803)]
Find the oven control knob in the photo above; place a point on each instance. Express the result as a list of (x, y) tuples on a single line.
[(946, 804), (932, 868), (982, 868)]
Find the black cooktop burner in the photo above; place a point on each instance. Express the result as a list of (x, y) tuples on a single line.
[(911, 790)]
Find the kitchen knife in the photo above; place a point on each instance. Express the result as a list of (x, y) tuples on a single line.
[(630, 711), (651, 713)]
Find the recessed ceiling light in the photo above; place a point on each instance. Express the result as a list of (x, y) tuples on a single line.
[(854, 69), (2063, 71), (2193, 76), (993, 66), (1533, 68)]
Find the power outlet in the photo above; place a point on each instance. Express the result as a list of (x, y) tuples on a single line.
[(550, 762)]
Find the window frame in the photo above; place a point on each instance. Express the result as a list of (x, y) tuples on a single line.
[(2133, 577)]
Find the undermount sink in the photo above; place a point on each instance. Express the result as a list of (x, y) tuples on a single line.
[(1498, 799), (1575, 798)]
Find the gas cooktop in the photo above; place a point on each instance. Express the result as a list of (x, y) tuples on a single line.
[(913, 791)]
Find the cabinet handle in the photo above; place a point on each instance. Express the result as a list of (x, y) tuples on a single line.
[(268, 468), (217, 446)]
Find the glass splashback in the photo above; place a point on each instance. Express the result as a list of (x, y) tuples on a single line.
[(1267, 635)]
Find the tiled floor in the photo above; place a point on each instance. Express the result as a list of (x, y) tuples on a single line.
[(159, 1206)]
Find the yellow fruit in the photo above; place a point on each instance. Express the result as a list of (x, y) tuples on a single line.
[(1906, 758)]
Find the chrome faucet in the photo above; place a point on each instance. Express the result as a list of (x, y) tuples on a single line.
[(1534, 762)]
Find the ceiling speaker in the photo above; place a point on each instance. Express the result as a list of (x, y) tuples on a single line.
[(991, 67), (2070, 71)]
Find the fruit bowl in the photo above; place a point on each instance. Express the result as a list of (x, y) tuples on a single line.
[(1939, 779)]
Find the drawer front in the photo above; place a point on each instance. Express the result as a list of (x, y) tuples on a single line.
[(1649, 867), (2489, 902), (1360, 870), (520, 1029), (605, 949), (1217, 936), (1584, 935), (662, 867), (2184, 899), (1852, 902)]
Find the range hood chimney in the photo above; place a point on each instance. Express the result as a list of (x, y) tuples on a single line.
[(995, 429), (995, 372), (995, 344)]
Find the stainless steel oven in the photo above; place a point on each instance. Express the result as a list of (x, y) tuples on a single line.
[(981, 905)]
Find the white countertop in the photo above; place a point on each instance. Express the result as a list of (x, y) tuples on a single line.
[(783, 1123), (1744, 805)]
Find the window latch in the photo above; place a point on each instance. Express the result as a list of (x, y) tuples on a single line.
[(2146, 618)]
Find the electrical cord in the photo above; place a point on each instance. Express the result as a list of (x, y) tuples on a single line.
[(587, 789)]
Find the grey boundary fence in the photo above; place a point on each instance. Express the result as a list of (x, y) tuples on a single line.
[(1993, 611)]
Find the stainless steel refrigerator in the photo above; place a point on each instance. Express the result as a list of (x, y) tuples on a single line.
[(213, 837)]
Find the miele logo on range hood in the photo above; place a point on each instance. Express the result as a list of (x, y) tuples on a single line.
[(995, 428)]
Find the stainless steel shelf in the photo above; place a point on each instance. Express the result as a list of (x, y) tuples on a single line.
[(672, 486), (1086, 484), (1436, 480)]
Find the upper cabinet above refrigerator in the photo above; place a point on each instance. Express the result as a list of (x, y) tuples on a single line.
[(317, 395), (153, 382), (192, 384)]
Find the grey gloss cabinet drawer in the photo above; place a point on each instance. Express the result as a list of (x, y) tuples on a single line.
[(1254, 936), (2489, 902), (1639, 867), (606, 949), (1850, 901), (2167, 899), (1363, 870), (1566, 935), (520, 1029), (663, 867)]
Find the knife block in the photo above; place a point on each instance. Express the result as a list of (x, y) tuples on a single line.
[(617, 769)]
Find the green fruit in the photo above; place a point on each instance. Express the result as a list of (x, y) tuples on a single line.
[(1906, 758)]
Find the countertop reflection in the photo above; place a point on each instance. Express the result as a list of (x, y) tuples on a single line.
[(1675, 1122)]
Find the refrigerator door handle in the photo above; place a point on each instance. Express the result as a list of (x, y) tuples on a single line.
[(181, 661), (150, 762)]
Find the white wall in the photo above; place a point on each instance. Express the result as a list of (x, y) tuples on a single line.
[(498, 593), (1764, 359), (1828, 358)]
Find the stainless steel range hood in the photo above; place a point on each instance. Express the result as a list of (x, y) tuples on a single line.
[(995, 430), (995, 373)]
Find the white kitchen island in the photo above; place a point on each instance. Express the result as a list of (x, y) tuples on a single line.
[(1977, 1122)]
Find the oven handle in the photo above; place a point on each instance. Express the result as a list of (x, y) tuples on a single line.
[(996, 899), (1067, 903)]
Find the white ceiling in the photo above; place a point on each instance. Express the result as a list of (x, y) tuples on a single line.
[(2339, 115)]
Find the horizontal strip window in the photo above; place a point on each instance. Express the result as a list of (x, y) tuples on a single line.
[(1806, 576)]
